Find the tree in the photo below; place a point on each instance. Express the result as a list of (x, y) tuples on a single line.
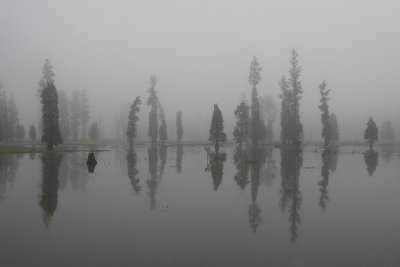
[(241, 130), (285, 110), (326, 126), (32, 133), (152, 101), (268, 109), (334, 128), (254, 80), (5, 131), (94, 133), (75, 106), (179, 126), (296, 133), (216, 133), (20, 132), (371, 133), (47, 75), (13, 119), (84, 111), (51, 131), (133, 118), (163, 126), (64, 114), (387, 132)]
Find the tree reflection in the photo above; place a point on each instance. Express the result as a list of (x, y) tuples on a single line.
[(179, 156), (132, 171), (387, 152), (152, 183), (48, 198), (371, 159), (291, 162), (242, 167), (216, 166), (74, 170), (8, 169), (329, 163), (163, 157)]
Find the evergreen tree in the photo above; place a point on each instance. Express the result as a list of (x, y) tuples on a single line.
[(268, 109), (371, 133), (5, 132), (285, 110), (132, 121), (179, 126), (152, 101), (296, 132), (84, 112), (326, 126), (94, 132), (387, 132), (75, 106), (216, 133), (254, 79), (334, 128), (20, 132), (241, 130), (64, 114), (51, 132), (32, 133), (13, 119), (47, 75), (163, 126)]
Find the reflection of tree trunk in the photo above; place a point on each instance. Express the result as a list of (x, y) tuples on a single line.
[(216, 147)]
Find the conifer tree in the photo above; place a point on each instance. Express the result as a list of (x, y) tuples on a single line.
[(256, 129), (133, 118), (326, 127), (75, 106), (334, 128), (51, 131), (84, 111), (285, 110), (296, 133), (94, 132), (32, 133), (152, 101), (216, 133), (241, 130), (387, 132), (179, 126), (64, 114), (371, 133), (163, 126), (13, 119)]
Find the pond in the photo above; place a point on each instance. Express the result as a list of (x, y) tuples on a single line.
[(166, 206)]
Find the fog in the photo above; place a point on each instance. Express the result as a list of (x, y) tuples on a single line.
[(200, 52)]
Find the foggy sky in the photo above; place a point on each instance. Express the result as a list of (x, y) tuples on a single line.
[(200, 52)]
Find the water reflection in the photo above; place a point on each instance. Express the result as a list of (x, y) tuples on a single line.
[(291, 198), (74, 170), (329, 163), (132, 171), (163, 157), (216, 165), (242, 167), (152, 183), (179, 156), (49, 188), (387, 152), (8, 169), (371, 160)]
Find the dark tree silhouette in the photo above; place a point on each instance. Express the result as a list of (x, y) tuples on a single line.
[(329, 159), (153, 182), (326, 126), (268, 109), (371, 160), (179, 157), (132, 171), (32, 133), (285, 96), (163, 157), (94, 132), (217, 170), (296, 133), (5, 125), (50, 116), (242, 167), (256, 129), (13, 119), (241, 129), (179, 126), (152, 101), (371, 133), (49, 193), (47, 75), (133, 118), (8, 169), (216, 133), (163, 126)]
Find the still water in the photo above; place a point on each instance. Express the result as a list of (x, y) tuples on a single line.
[(166, 206)]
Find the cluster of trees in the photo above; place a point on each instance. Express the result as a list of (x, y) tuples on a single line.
[(10, 127)]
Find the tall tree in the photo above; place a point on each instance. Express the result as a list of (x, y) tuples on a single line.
[(254, 79), (20, 132), (47, 75), (285, 96), (334, 128), (179, 126), (75, 106), (326, 126), (152, 101), (241, 130), (371, 133), (94, 132), (133, 118), (32, 133), (84, 111), (64, 114), (296, 132), (163, 126), (216, 133), (13, 119), (5, 132), (387, 132), (268, 110), (51, 131)]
